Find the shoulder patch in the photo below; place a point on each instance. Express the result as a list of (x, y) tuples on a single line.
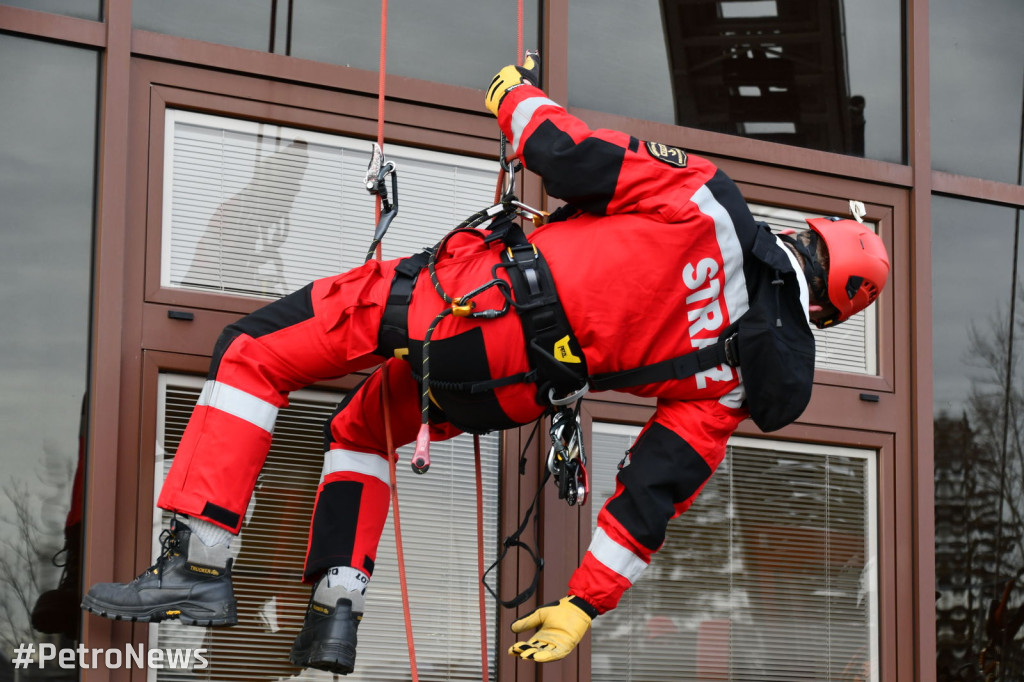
[(673, 156)]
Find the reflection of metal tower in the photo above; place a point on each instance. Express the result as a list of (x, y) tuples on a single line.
[(769, 69)]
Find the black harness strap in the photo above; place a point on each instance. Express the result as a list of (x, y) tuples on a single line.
[(552, 348), (724, 352), (393, 336)]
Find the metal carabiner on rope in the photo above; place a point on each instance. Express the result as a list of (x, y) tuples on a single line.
[(376, 173)]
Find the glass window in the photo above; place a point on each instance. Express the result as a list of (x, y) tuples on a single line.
[(83, 9), (976, 97), (436, 40), (47, 190), (770, 575), (260, 210), (439, 542), (979, 451), (822, 75)]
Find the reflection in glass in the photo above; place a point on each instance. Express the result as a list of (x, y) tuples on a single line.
[(436, 41), (979, 442), (82, 9), (976, 87), (819, 74), (47, 147), (770, 575)]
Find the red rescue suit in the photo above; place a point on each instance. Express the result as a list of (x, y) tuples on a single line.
[(650, 267)]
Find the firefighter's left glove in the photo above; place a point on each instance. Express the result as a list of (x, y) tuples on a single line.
[(560, 627), (511, 76)]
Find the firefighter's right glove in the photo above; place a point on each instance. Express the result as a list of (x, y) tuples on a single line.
[(560, 627), (511, 76)]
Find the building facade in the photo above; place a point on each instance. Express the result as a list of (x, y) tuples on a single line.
[(168, 167)]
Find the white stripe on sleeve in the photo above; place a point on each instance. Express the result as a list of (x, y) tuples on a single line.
[(522, 115), (616, 557)]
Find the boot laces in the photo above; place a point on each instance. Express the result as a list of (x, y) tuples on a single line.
[(170, 546)]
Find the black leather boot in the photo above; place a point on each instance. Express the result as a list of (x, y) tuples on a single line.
[(189, 581), (328, 637)]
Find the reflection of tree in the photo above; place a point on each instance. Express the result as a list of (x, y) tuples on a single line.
[(979, 492), (240, 248), (29, 538)]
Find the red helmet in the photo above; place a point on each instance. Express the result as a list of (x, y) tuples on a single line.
[(858, 265)]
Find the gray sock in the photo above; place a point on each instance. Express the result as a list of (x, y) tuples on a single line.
[(211, 534)]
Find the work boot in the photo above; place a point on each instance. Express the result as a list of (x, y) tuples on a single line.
[(328, 637), (189, 581)]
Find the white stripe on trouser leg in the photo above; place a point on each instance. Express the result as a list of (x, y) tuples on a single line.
[(237, 402), (616, 557), (339, 460), (522, 115)]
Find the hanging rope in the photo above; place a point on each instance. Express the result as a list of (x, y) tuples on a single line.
[(385, 397), (478, 466)]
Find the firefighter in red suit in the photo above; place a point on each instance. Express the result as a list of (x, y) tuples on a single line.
[(650, 259)]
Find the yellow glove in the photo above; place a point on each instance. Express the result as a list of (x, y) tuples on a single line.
[(510, 77), (562, 625)]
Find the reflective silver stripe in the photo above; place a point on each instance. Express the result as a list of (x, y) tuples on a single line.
[(356, 462), (239, 403), (616, 557), (735, 293), (522, 115)]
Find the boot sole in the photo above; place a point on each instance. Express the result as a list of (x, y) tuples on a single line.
[(334, 657), (221, 615)]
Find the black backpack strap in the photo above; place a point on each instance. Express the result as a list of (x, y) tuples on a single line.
[(724, 352)]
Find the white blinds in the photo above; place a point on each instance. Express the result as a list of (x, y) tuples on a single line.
[(438, 513), (769, 577), (260, 210), (849, 347)]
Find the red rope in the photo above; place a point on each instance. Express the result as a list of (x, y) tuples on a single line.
[(385, 397), (485, 669)]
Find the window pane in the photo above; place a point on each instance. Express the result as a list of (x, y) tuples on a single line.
[(979, 454), (261, 210), (461, 42), (822, 75), (439, 541), (239, 23), (770, 575), (976, 57), (436, 40), (83, 9), (47, 164)]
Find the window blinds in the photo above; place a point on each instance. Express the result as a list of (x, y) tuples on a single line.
[(439, 534), (260, 210), (770, 576), (849, 347)]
